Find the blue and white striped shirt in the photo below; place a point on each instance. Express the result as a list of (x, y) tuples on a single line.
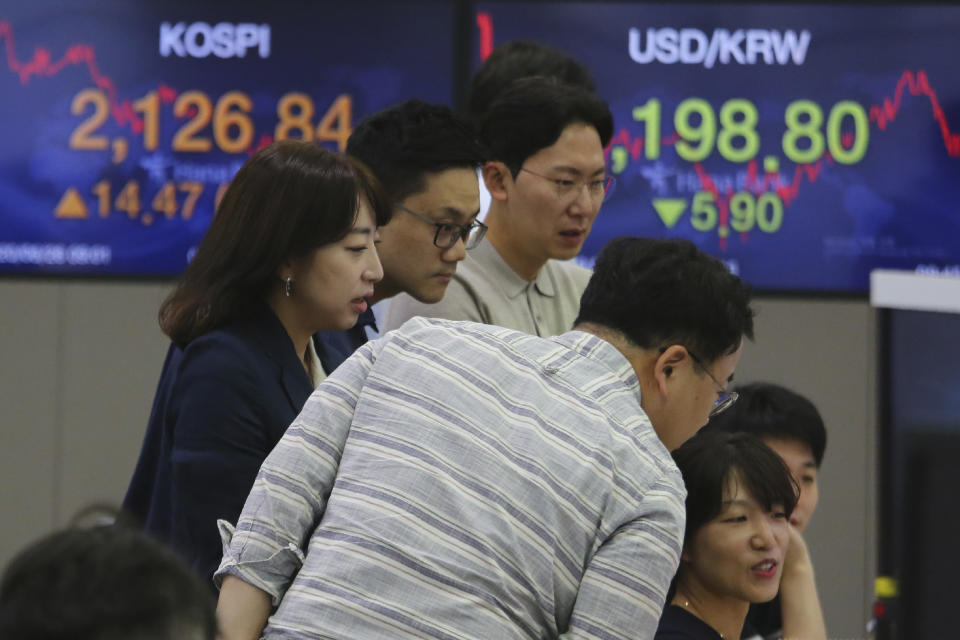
[(458, 480)]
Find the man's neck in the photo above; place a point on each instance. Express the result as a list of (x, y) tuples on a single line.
[(510, 247), (643, 362), (634, 354)]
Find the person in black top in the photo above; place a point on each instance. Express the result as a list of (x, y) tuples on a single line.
[(739, 498), (789, 424)]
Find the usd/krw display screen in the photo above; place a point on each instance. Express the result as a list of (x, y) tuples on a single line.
[(124, 121), (803, 144)]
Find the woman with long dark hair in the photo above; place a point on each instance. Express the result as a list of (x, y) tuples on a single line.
[(290, 252), (739, 498)]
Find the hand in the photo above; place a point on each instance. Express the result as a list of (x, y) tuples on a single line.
[(799, 603), (797, 559)]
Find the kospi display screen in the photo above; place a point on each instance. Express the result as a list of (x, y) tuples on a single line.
[(802, 144), (123, 121)]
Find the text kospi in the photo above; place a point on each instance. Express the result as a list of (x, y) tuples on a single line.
[(224, 39)]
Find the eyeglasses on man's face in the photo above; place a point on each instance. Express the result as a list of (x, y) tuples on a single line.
[(449, 233), (726, 398), (599, 188)]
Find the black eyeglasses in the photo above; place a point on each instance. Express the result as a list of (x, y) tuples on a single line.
[(449, 233), (726, 398)]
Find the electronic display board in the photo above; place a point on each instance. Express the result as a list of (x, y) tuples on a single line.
[(123, 121), (802, 144)]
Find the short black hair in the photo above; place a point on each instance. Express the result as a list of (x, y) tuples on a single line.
[(405, 142), (531, 113), (107, 582), (521, 59), (662, 292), (770, 410), (713, 458)]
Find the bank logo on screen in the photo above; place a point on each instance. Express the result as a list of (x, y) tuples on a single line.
[(742, 46), (223, 40)]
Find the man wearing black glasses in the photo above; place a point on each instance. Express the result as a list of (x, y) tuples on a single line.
[(426, 157), (547, 179)]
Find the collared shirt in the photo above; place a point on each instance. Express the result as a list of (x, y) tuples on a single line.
[(317, 373), (486, 289), (457, 480)]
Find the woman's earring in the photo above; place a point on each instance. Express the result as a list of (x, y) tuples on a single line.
[(288, 286)]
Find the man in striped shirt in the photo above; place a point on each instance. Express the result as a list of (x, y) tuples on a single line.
[(458, 480)]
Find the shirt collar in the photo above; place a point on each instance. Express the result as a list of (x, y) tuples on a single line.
[(599, 350), (513, 284)]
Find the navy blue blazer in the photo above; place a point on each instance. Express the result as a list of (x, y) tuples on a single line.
[(222, 403), (339, 345)]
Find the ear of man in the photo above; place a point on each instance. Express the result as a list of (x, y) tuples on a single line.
[(665, 368), (496, 176)]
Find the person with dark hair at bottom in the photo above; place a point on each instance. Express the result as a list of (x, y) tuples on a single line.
[(289, 252), (790, 425), (517, 59), (426, 157), (103, 583), (739, 498), (547, 178), (461, 480)]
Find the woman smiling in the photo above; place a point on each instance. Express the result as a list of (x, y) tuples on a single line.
[(739, 498)]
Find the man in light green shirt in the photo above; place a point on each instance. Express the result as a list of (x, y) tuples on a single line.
[(547, 179)]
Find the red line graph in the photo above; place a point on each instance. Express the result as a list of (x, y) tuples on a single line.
[(757, 184), (43, 64), (917, 83), (485, 25), (883, 114)]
